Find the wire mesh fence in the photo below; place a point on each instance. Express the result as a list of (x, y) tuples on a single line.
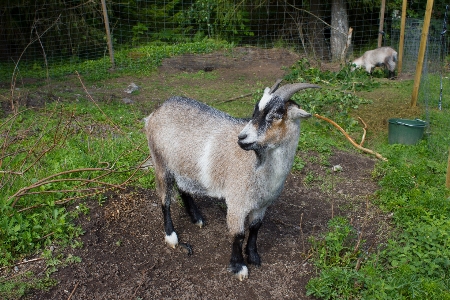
[(55, 32)]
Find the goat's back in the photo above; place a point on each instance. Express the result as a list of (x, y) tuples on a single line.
[(197, 141)]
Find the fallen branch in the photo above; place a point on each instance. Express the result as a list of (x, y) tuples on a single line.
[(15, 275), (377, 155), (23, 262), (365, 131), (73, 291), (46, 180)]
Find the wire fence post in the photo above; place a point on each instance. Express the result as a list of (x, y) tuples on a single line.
[(108, 33)]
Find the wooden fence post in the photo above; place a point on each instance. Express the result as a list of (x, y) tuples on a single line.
[(402, 38), (380, 28), (423, 46), (108, 33)]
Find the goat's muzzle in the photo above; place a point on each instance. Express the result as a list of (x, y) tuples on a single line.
[(245, 145)]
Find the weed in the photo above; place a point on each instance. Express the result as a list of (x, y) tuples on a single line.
[(309, 178), (299, 164)]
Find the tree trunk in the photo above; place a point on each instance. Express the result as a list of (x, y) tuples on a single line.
[(339, 29), (316, 30)]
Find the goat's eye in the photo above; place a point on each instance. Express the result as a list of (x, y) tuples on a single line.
[(273, 117)]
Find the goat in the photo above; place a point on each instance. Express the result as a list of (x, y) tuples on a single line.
[(204, 151), (384, 56)]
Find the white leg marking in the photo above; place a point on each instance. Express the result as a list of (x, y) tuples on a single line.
[(242, 274), (199, 223), (172, 240)]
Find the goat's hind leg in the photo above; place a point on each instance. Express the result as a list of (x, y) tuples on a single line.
[(166, 187), (192, 209)]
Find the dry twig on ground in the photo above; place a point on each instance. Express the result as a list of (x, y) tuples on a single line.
[(377, 155)]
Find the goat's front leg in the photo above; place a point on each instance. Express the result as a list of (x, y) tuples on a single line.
[(235, 221), (237, 264), (251, 249), (255, 219)]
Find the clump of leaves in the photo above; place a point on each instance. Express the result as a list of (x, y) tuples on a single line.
[(338, 246), (336, 253), (344, 79)]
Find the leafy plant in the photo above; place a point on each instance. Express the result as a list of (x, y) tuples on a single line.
[(344, 78), (216, 19), (336, 253), (338, 246), (138, 31), (299, 164)]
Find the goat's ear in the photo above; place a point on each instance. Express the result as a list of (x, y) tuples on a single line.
[(294, 112)]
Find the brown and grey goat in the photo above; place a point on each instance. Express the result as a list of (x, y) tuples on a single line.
[(204, 151), (384, 56)]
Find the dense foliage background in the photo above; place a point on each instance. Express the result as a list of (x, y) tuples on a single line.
[(55, 29)]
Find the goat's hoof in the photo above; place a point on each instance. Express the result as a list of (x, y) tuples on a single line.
[(242, 274), (199, 223), (254, 259), (172, 239), (240, 271)]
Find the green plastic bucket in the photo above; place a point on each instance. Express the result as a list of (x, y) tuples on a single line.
[(406, 132)]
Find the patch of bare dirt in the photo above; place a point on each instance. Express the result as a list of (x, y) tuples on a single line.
[(124, 255)]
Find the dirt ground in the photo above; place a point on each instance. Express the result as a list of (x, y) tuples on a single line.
[(124, 255)]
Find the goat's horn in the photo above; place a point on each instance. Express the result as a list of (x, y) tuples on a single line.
[(286, 91), (275, 86)]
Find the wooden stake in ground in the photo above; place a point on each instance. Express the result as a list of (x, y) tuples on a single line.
[(108, 34), (402, 39), (380, 28), (422, 48), (377, 155)]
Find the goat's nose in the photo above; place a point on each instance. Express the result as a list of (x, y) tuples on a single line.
[(242, 136)]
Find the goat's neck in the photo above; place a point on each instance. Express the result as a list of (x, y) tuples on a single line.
[(276, 162)]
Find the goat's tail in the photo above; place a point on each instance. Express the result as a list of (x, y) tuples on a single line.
[(394, 56), (146, 119)]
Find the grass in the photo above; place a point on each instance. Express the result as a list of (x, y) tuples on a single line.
[(414, 264), (70, 151), (141, 61), (61, 154)]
